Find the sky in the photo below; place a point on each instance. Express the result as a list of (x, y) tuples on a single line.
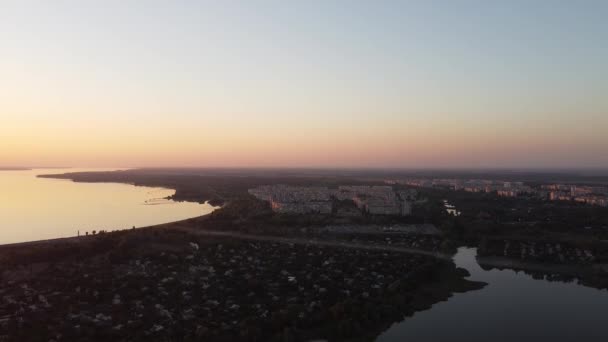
[(399, 84)]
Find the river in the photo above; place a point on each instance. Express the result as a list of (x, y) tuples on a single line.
[(33, 208), (513, 307)]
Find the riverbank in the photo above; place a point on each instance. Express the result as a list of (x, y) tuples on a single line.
[(540, 305)]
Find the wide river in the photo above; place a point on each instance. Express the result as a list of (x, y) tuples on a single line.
[(33, 208), (513, 307)]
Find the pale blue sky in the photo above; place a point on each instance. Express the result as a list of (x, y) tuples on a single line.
[(396, 83)]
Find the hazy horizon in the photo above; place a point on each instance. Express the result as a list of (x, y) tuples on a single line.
[(308, 167), (531, 170), (459, 84)]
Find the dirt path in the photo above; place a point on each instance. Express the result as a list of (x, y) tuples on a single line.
[(316, 242)]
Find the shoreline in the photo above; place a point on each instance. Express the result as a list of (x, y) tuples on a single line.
[(76, 238), (516, 264), (84, 237), (138, 177)]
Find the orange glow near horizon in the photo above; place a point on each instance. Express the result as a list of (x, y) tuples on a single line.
[(175, 85), (233, 145)]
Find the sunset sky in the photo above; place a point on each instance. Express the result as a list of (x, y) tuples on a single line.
[(306, 83)]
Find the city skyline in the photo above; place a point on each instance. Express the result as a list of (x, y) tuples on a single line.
[(463, 84)]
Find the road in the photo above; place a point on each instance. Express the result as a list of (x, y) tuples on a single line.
[(256, 237)]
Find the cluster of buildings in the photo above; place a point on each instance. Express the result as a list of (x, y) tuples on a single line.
[(506, 189), (593, 195), (376, 200), (295, 199)]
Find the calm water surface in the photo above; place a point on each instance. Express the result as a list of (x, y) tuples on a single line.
[(34, 208), (513, 307)]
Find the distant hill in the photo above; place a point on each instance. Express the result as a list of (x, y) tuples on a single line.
[(10, 168)]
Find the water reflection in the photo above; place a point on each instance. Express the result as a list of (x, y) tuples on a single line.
[(513, 307), (34, 208)]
